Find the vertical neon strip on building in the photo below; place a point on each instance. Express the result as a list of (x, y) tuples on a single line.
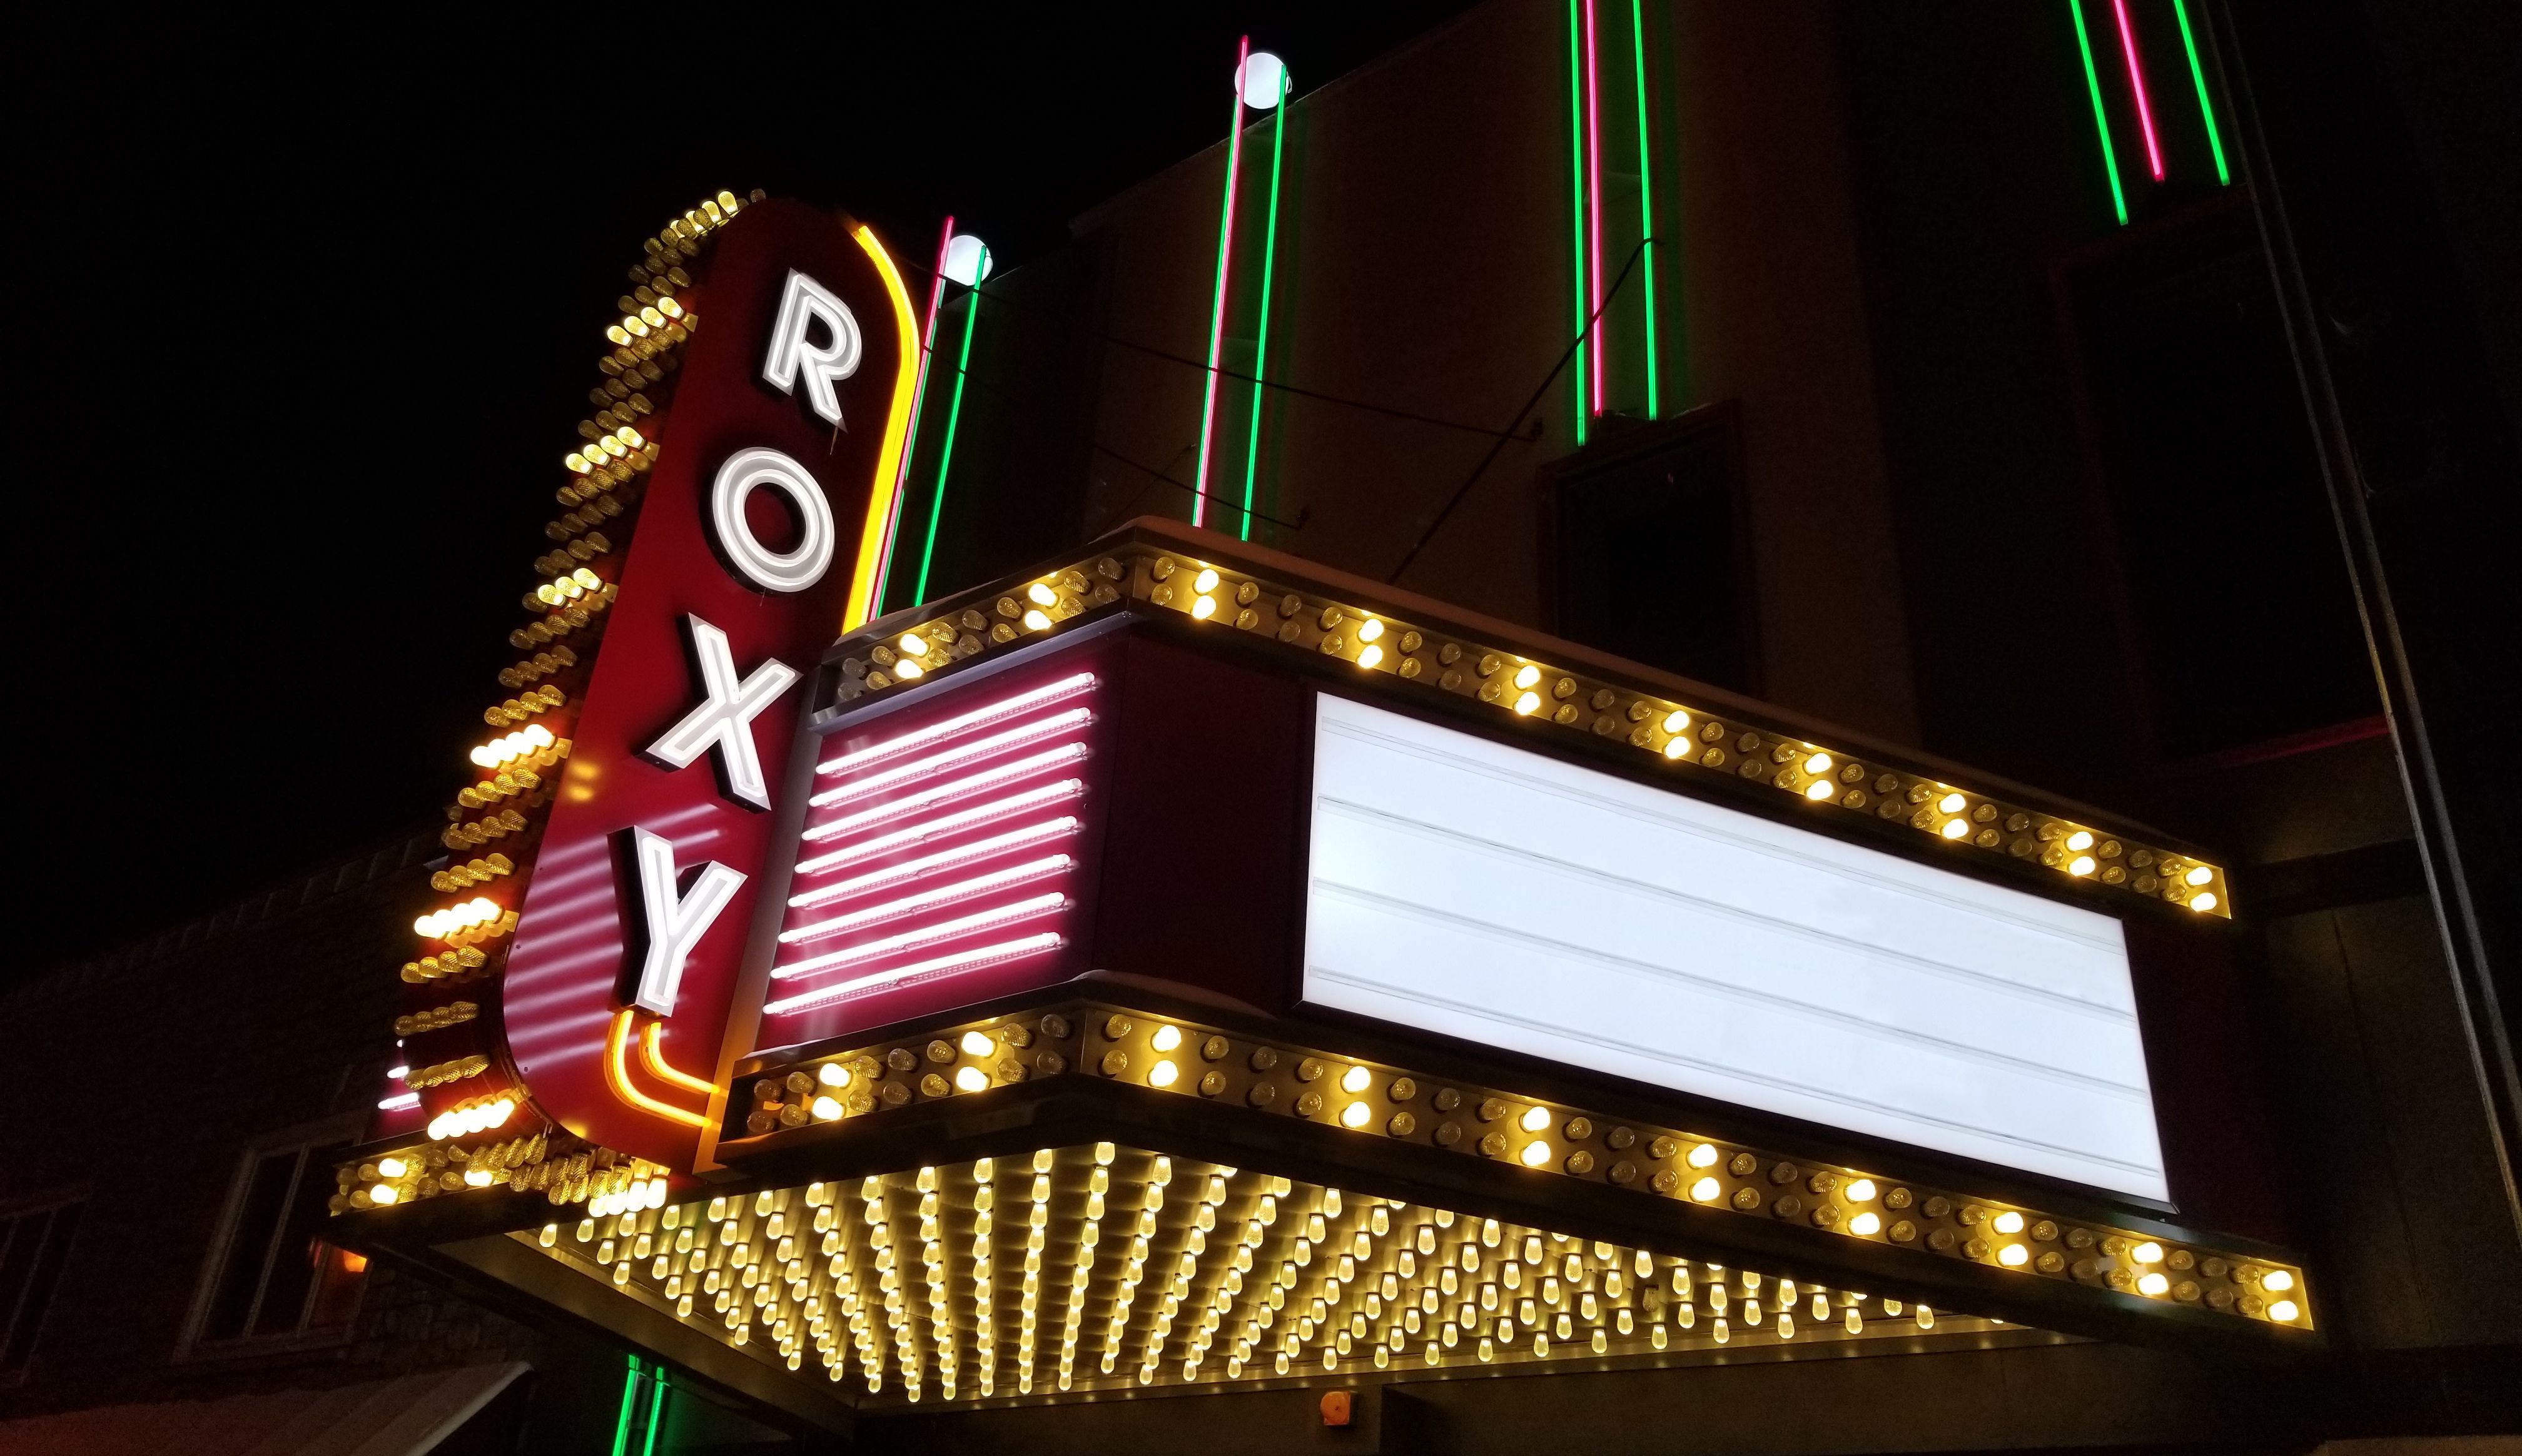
[(910, 432), (1217, 309), (946, 455), (1578, 195), (2136, 84), (2206, 108), (1594, 202), (2101, 119), (1269, 268), (1646, 203)]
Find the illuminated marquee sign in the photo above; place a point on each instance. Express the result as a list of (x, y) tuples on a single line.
[(1506, 899)]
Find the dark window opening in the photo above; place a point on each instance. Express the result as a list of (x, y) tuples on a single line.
[(34, 1245), (2234, 601), (1646, 550), (277, 1277)]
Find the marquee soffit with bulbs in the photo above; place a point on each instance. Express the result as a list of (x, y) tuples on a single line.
[(944, 1013)]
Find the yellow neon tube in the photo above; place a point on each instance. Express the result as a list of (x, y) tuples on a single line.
[(885, 498), (652, 1055), (617, 1075)]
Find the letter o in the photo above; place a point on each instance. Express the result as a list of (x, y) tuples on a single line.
[(771, 571)]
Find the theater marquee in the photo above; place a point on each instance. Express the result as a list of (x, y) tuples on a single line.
[(1184, 966)]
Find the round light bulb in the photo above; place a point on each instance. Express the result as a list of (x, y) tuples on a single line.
[(383, 1194), (2202, 901), (1536, 1119), (2275, 1281), (1865, 1224), (1526, 704), (394, 1167), (832, 1074), (2283, 1311), (1861, 1191), (1355, 1079), (1676, 722), (2080, 840), (1955, 828), (1704, 1156), (2014, 1256), (1678, 748), (978, 1043), (1370, 656), (1262, 81), (1164, 1075), (913, 644), (2009, 1222), (1355, 1114), (2200, 876), (1035, 621), (2148, 1252), (2084, 865), (967, 260), (972, 1079), (2152, 1286), (1818, 790), (1040, 594), (1706, 1190), (1952, 804), (1526, 676), (1818, 763), (1535, 1154)]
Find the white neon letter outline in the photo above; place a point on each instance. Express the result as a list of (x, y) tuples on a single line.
[(676, 922), (724, 719), (804, 301), (773, 571)]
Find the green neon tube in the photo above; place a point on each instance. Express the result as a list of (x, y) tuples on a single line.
[(1269, 266), (630, 1403), (946, 456), (1576, 153), (2198, 77), (656, 1414), (1646, 201), (2101, 122)]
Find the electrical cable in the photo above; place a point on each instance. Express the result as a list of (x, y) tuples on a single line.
[(1490, 458)]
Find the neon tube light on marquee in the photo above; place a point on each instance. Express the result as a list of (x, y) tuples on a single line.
[(617, 1075), (926, 935), (954, 758), (910, 869), (2206, 108), (1007, 708), (952, 823), (983, 885), (947, 794), (973, 960)]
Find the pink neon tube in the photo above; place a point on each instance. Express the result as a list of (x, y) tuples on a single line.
[(2136, 79), (1594, 200), (1217, 313)]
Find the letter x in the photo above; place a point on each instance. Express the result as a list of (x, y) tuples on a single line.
[(724, 717)]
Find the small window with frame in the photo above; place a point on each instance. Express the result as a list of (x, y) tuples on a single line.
[(35, 1237), (272, 1279)]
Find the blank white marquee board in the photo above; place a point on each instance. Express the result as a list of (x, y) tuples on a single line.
[(1492, 894)]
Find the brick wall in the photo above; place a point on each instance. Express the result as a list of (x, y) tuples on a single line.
[(144, 1075)]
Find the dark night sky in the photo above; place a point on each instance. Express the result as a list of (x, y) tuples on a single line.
[(305, 320)]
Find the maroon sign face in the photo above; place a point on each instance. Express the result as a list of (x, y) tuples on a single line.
[(778, 467)]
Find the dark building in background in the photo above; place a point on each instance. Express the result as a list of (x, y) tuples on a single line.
[(2126, 412)]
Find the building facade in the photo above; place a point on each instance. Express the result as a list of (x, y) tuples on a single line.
[(1799, 428)]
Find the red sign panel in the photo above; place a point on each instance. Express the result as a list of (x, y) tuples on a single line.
[(751, 553)]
